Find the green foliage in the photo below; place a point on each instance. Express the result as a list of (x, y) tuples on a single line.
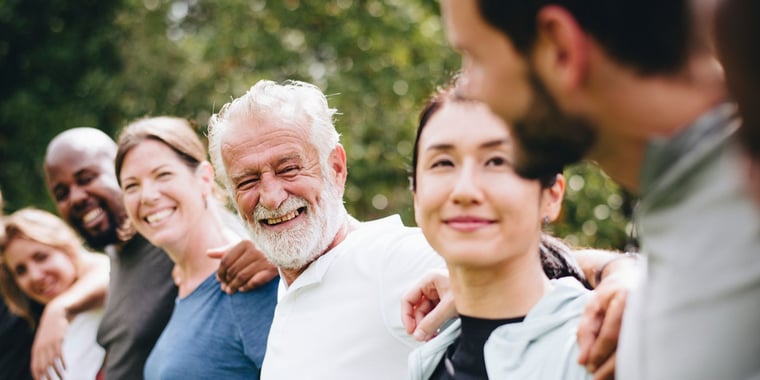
[(55, 58), (596, 212), (103, 63)]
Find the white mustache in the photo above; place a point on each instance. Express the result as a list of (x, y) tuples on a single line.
[(291, 204)]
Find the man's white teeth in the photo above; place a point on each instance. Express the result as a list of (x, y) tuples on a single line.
[(91, 215), (284, 218), (158, 216)]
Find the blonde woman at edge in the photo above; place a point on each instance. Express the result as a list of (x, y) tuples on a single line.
[(42, 257)]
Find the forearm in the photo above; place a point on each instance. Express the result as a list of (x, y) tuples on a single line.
[(89, 290), (597, 264)]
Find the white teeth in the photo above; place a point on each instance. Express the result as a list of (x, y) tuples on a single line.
[(284, 218), (91, 215), (158, 216)]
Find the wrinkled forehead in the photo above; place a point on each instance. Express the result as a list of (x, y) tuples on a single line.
[(251, 128)]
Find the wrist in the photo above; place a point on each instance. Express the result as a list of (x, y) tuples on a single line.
[(58, 307)]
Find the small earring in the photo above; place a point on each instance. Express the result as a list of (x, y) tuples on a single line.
[(546, 220), (205, 201)]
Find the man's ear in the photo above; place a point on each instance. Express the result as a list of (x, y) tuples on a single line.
[(561, 52), (338, 164)]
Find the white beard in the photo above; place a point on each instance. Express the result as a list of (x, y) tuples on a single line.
[(298, 246)]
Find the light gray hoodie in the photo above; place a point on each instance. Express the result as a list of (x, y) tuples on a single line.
[(543, 346)]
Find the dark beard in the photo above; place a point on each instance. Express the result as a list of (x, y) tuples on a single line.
[(547, 138), (103, 238)]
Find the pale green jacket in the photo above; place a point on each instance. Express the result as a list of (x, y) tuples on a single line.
[(543, 346)]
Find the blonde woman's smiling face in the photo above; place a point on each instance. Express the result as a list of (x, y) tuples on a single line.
[(42, 272)]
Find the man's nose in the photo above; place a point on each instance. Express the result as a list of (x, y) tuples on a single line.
[(77, 195), (272, 194)]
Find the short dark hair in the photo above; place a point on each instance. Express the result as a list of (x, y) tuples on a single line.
[(652, 36)]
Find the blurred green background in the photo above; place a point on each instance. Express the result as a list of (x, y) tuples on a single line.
[(66, 63)]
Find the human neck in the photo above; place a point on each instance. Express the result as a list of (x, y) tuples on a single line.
[(349, 224), (632, 110), (190, 255), (498, 291)]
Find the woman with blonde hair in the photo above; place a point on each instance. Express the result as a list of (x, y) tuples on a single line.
[(42, 257)]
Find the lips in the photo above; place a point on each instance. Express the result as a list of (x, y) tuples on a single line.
[(158, 216), (46, 289), (468, 223), (282, 219)]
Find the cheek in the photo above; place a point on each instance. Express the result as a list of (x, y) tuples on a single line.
[(25, 284), (430, 197), (246, 202), (521, 205), (63, 209), (131, 202), (71, 273), (65, 268)]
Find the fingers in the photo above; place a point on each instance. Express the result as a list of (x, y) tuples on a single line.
[(588, 328), (607, 370), (46, 349), (428, 325), (215, 253), (417, 302), (261, 277), (606, 342), (59, 367), (599, 328), (410, 302), (409, 314), (243, 267), (427, 305), (46, 358), (229, 255), (255, 274)]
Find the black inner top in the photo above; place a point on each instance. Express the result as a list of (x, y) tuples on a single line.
[(464, 358)]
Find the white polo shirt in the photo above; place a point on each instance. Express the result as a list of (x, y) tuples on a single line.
[(341, 318)]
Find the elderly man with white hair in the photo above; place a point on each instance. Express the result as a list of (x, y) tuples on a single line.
[(338, 316)]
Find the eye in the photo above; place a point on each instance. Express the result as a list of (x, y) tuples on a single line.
[(247, 183), (20, 270), (289, 170), (61, 193), (164, 175), (85, 178), (129, 187), (496, 161), (443, 162)]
